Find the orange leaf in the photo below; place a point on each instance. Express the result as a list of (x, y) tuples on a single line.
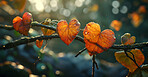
[(24, 29), (94, 8), (3, 2), (22, 25), (27, 18), (91, 32), (136, 19), (17, 21), (92, 48), (97, 41), (47, 32), (126, 39), (142, 9), (19, 4), (39, 43), (106, 39), (127, 62), (67, 32), (116, 25)]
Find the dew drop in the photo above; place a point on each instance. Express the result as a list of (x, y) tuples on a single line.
[(86, 33), (114, 37)]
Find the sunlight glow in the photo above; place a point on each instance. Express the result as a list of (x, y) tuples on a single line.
[(66, 12), (13, 64), (43, 75), (43, 67), (39, 6), (20, 66), (8, 37), (32, 75), (57, 72), (61, 54), (53, 3), (48, 9), (78, 3), (87, 2)]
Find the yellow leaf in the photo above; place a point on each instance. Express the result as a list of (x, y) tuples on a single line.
[(20, 5), (47, 32), (127, 62), (126, 39)]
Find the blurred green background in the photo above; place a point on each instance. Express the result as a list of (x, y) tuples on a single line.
[(57, 60)]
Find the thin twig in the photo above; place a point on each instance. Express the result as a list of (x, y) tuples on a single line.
[(133, 46), (45, 45), (80, 52), (133, 59), (41, 25), (96, 65), (33, 24), (93, 66), (81, 29)]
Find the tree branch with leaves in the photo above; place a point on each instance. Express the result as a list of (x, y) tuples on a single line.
[(95, 40)]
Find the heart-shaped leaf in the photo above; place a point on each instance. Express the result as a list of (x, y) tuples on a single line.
[(127, 62), (97, 41), (22, 25), (17, 21), (24, 29), (140, 72), (67, 32), (106, 39), (39, 43), (126, 39), (27, 18)]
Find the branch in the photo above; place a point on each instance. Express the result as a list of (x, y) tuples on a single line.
[(33, 24), (79, 38), (32, 39), (7, 27), (53, 22), (80, 52), (133, 46)]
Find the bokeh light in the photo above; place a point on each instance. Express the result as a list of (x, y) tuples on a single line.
[(115, 4), (124, 9)]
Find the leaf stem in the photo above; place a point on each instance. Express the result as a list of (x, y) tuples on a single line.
[(93, 66), (133, 59), (96, 65), (80, 52)]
